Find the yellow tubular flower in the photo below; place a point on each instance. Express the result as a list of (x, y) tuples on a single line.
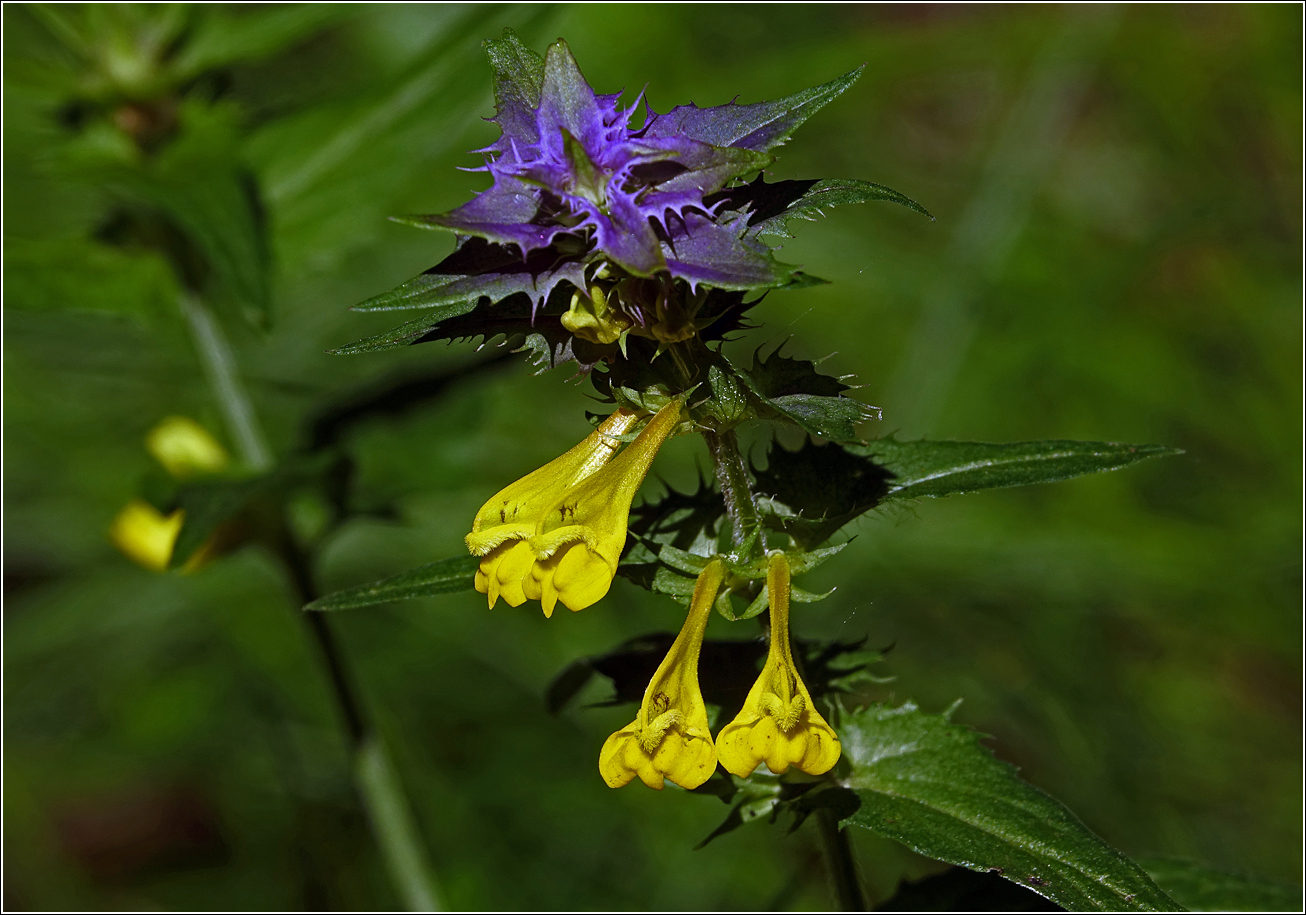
[(140, 531), (185, 448), (669, 738), (580, 537), (504, 524), (778, 725), (144, 535)]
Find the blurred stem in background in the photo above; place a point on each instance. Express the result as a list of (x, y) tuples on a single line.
[(379, 787), (142, 71), (378, 784)]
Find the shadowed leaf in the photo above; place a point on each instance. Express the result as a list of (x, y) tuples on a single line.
[(929, 784)]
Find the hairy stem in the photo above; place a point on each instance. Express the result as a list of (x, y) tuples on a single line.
[(732, 477)]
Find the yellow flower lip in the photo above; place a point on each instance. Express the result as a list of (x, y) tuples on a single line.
[(779, 724), (557, 533), (670, 738)]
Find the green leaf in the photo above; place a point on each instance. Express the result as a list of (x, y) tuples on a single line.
[(743, 813), (1206, 889), (812, 492), (819, 195), (792, 390), (929, 784), (405, 334), (479, 270), (443, 577), (208, 505), (937, 469)]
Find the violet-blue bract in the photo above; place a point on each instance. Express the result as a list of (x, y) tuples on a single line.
[(603, 219)]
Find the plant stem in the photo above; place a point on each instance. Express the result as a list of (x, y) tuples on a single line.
[(380, 790), (839, 863), (383, 797), (732, 477), (224, 381)]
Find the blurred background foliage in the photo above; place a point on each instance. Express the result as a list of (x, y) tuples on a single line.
[(1116, 256)]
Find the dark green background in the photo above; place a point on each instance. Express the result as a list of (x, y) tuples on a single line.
[(1116, 257)]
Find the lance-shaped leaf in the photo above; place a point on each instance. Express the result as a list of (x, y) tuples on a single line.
[(514, 318), (792, 390), (444, 577), (938, 469), (929, 784), (760, 126), (812, 492), (773, 205), (479, 269)]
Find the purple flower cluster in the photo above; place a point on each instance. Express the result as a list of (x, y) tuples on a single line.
[(570, 162), (642, 224)]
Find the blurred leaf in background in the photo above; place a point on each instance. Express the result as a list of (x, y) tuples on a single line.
[(1116, 257)]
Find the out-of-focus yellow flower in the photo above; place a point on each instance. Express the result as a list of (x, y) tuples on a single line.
[(581, 536), (778, 725), (669, 738), (140, 531), (185, 448), (504, 524), (145, 535)]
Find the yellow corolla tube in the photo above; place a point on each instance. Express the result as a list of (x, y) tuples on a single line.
[(669, 738), (778, 725), (504, 524), (579, 540)]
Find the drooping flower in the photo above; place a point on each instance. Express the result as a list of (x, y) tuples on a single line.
[(581, 536), (557, 533), (778, 724), (669, 738), (504, 525)]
